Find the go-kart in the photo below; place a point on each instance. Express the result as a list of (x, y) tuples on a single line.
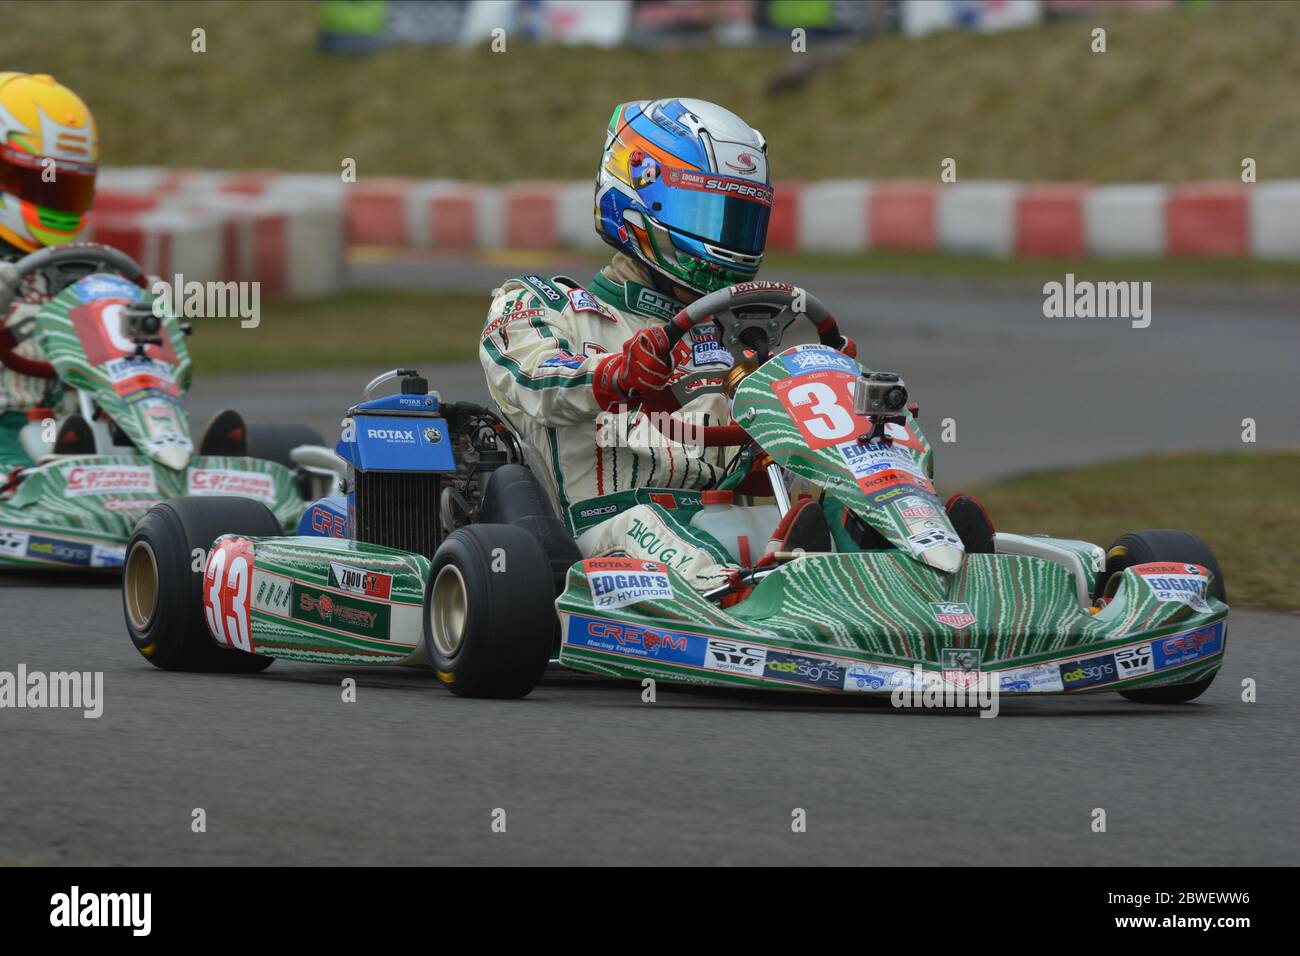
[(76, 507), (445, 553)]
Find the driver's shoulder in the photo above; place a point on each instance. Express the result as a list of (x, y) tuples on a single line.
[(559, 294)]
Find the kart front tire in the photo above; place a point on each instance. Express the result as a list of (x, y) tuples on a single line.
[(1180, 547), (489, 608), (162, 594)]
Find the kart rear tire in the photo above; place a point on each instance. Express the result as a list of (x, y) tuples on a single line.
[(1164, 544), (488, 632), (162, 596), (274, 442)]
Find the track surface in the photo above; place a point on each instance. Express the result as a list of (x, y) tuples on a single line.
[(1026, 392), (289, 774), (586, 772)]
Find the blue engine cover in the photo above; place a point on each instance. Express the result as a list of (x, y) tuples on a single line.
[(416, 438)]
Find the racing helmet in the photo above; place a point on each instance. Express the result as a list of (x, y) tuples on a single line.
[(49, 148), (683, 187)]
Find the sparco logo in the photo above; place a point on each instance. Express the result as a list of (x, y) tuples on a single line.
[(545, 289), (391, 434)]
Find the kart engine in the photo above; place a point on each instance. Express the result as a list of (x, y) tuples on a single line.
[(418, 467)]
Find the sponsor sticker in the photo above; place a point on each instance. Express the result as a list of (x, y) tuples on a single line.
[(956, 614), (363, 618), (801, 669), (933, 538), (13, 543), (1033, 677), (960, 665), (101, 479), (1182, 583), (584, 301), (229, 481), (564, 360), (106, 287), (735, 657), (392, 436), (1089, 672), (818, 359), (867, 677), (107, 556), (721, 185), (618, 582), (272, 593), (864, 460), (634, 640), (361, 581), (1135, 661), (60, 550), (1178, 649), (706, 349)]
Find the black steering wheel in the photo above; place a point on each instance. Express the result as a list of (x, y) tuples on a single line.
[(61, 266), (751, 318)]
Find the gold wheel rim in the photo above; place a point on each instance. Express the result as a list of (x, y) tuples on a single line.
[(140, 585), (448, 611)]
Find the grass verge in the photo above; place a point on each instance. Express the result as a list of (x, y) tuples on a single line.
[(1243, 504), (1179, 94), (357, 328)]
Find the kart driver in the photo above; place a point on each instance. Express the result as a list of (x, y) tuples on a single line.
[(569, 366), (49, 148)]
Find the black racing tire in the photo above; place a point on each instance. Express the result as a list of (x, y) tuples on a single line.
[(162, 594), (274, 442), (488, 632), (1164, 544)]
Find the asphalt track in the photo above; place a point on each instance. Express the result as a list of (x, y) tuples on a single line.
[(287, 773), (1025, 392)]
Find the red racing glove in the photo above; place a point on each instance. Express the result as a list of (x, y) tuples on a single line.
[(644, 365), (849, 348)]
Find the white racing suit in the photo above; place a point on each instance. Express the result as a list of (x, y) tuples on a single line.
[(621, 487), (19, 392)]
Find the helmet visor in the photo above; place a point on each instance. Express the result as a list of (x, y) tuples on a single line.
[(58, 184), (724, 210)]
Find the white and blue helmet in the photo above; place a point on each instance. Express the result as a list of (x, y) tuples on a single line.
[(684, 187)]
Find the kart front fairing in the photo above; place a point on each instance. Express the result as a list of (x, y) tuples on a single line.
[(77, 512), (868, 621), (872, 621)]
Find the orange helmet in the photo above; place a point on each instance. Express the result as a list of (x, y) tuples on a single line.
[(49, 149)]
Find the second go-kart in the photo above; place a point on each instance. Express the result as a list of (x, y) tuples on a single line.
[(75, 508), (446, 553)]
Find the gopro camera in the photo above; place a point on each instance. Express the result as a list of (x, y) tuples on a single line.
[(140, 325), (879, 394)]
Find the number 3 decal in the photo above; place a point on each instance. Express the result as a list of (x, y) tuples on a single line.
[(820, 412), (227, 586)]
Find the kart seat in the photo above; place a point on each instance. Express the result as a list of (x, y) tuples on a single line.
[(514, 496)]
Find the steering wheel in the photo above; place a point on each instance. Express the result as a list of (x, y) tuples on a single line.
[(751, 317), (62, 266)]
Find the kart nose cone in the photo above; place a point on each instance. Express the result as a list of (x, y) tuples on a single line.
[(174, 458), (943, 558)]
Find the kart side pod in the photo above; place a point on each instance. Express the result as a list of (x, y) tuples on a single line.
[(399, 454)]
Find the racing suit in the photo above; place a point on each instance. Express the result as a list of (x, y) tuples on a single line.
[(19, 392), (621, 486)]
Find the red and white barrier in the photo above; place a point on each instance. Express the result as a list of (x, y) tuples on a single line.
[(292, 229)]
